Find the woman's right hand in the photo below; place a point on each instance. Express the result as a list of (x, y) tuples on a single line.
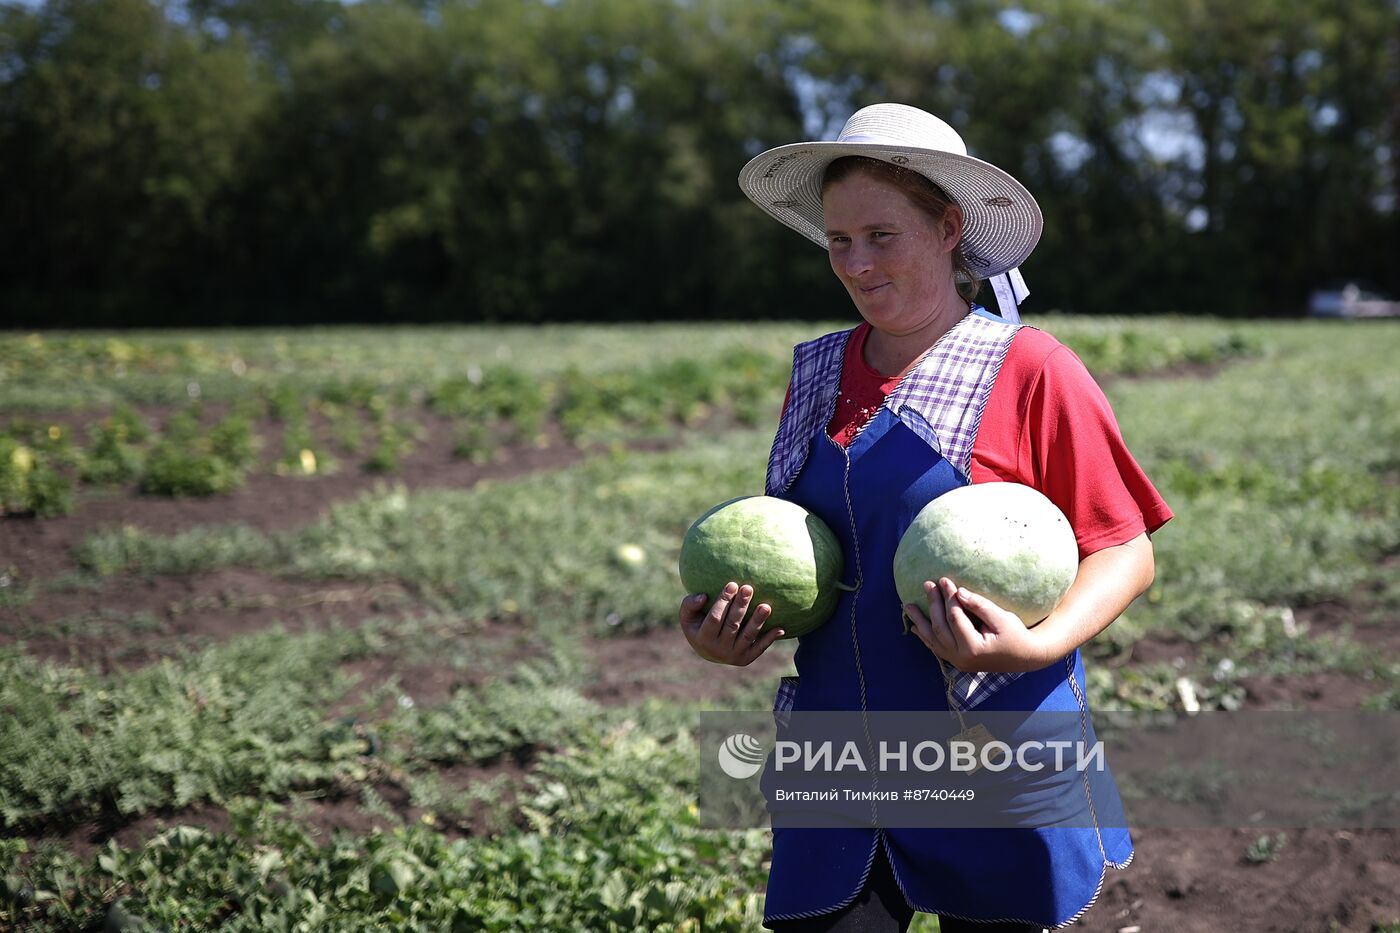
[(722, 635)]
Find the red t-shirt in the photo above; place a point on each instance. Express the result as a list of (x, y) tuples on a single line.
[(1047, 425)]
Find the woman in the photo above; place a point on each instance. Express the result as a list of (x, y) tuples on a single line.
[(929, 393)]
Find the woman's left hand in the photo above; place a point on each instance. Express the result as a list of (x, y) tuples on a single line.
[(1002, 643)]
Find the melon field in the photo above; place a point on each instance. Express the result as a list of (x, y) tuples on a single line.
[(358, 629)]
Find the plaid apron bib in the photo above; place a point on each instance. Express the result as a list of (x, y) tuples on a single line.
[(946, 394)]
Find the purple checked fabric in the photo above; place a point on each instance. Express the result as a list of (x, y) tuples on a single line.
[(816, 382), (949, 389)]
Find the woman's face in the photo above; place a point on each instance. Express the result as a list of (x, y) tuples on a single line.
[(893, 258)]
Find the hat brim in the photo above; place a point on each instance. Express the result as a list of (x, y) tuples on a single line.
[(1001, 220)]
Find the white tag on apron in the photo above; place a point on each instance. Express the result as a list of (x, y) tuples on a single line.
[(980, 739)]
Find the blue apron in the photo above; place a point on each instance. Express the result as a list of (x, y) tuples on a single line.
[(868, 494)]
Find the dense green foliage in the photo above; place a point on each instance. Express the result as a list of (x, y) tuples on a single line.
[(527, 160), (612, 840)]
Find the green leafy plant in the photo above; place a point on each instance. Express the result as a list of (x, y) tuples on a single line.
[(185, 462), (477, 442), (30, 483), (393, 444), (200, 549), (175, 470), (233, 441), (114, 454), (345, 427), (1265, 848)]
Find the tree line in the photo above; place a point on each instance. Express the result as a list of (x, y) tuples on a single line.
[(184, 162)]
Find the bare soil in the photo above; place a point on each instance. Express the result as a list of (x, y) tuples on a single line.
[(1181, 880), (661, 665), (130, 621), (1199, 881)]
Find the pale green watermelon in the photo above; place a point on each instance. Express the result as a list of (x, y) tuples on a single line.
[(1002, 540), (788, 555)]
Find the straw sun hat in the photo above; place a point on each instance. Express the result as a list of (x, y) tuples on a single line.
[(1001, 221)]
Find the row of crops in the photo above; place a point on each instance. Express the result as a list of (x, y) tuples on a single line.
[(368, 427), (525, 804), (329, 411), (53, 371)]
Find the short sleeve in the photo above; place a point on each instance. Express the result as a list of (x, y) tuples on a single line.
[(1049, 425)]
